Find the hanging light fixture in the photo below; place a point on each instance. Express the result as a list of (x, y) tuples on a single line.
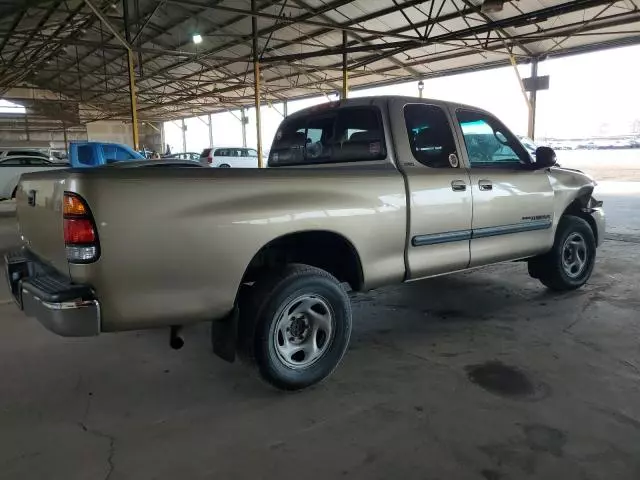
[(197, 38), (489, 6)]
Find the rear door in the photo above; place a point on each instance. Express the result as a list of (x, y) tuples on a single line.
[(513, 205), (251, 158), (438, 188)]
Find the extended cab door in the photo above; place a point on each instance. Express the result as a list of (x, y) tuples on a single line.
[(438, 189), (512, 202)]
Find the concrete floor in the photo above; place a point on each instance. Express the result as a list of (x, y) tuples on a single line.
[(406, 402)]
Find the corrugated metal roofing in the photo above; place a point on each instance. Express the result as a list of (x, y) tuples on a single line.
[(61, 46)]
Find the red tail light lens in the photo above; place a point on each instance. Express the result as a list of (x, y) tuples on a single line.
[(80, 235), (210, 159), (79, 230)]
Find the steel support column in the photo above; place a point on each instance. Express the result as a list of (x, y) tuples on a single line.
[(130, 58), (345, 70), (256, 80), (524, 93), (184, 137), (133, 99), (285, 110), (66, 140), (533, 98), (210, 131), (243, 121)]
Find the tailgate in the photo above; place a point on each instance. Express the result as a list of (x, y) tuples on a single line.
[(39, 211)]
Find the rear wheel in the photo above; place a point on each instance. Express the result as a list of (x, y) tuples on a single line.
[(225, 165), (297, 324), (569, 263)]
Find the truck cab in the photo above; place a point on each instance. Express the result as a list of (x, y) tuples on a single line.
[(95, 154)]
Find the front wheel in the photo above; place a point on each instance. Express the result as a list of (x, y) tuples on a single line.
[(300, 323), (569, 263)]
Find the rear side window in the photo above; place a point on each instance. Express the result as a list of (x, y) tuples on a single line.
[(346, 135), (12, 162), (430, 136), (115, 153), (85, 154), (205, 153), (29, 153), (38, 161)]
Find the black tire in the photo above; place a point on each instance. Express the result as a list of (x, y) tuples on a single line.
[(225, 165), (560, 269), (262, 313)]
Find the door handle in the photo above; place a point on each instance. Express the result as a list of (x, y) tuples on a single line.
[(485, 185), (458, 186)]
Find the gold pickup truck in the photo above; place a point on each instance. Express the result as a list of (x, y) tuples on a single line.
[(358, 194)]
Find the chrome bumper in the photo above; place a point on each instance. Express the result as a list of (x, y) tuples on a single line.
[(60, 306)]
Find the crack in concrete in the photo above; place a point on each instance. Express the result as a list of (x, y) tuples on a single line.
[(92, 431), (623, 237), (593, 297)]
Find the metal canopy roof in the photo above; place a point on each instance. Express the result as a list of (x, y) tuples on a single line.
[(60, 46)]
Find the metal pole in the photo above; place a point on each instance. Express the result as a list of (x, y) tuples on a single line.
[(184, 137), (26, 125), (524, 92), (130, 58), (285, 110), (163, 147), (210, 132), (345, 71), (256, 81), (66, 142), (134, 100), (533, 98), (243, 121)]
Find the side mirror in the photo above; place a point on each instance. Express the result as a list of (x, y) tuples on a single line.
[(545, 158)]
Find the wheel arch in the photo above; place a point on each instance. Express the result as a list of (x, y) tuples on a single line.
[(324, 249), (577, 208)]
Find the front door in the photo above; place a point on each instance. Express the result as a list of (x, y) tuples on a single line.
[(512, 203), (438, 186)]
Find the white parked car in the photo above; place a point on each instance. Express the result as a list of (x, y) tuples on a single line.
[(6, 152), (230, 157), (11, 167)]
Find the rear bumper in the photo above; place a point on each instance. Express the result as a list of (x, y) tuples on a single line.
[(62, 307)]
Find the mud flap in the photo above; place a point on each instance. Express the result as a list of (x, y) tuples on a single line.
[(224, 336)]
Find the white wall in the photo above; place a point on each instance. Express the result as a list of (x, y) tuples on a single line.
[(110, 131)]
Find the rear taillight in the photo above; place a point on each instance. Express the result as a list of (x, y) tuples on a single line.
[(209, 159), (80, 235)]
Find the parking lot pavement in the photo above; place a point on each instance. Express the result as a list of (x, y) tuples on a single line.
[(477, 375)]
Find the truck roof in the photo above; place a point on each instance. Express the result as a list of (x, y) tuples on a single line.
[(362, 101)]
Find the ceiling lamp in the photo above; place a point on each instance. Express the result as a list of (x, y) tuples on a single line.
[(489, 6), (197, 38)]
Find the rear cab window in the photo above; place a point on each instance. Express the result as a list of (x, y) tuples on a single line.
[(430, 136), (346, 134)]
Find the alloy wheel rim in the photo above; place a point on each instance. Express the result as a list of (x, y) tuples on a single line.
[(574, 255)]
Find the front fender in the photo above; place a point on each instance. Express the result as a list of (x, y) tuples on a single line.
[(573, 192)]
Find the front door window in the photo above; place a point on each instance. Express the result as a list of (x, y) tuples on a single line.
[(489, 143)]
